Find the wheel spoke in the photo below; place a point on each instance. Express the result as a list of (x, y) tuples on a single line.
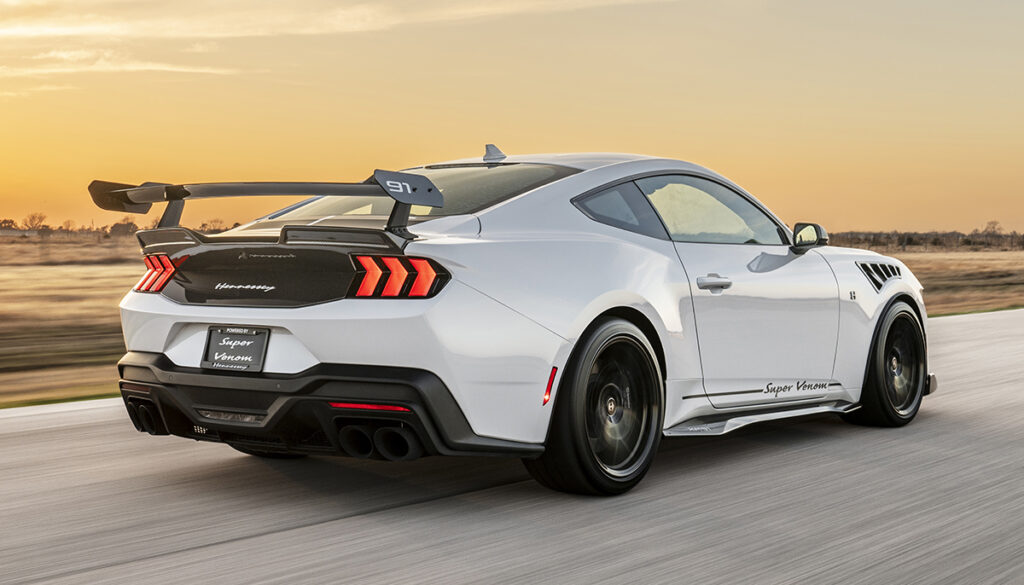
[(617, 408), (902, 364)]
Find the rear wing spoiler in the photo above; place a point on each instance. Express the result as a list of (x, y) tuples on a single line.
[(406, 189)]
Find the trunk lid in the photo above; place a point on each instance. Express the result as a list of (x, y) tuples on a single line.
[(300, 266)]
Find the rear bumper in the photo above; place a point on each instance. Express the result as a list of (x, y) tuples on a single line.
[(292, 412), (931, 384), (493, 361)]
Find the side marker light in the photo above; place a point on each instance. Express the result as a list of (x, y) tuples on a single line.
[(551, 381)]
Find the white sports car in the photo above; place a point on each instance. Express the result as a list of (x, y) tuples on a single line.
[(568, 309)]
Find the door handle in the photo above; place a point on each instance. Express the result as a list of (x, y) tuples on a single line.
[(713, 282)]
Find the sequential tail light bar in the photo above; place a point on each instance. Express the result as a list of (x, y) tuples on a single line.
[(397, 277), (159, 271)]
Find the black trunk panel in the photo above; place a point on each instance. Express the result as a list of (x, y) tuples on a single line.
[(259, 275)]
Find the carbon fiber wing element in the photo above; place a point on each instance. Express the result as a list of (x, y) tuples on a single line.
[(405, 188)]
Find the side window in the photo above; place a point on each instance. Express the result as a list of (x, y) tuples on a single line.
[(625, 207), (699, 210)]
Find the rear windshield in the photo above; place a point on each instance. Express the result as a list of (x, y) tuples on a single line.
[(466, 189)]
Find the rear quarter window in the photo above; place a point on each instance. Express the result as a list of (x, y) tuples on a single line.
[(625, 207)]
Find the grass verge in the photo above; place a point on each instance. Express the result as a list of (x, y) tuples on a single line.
[(93, 392), (977, 311)]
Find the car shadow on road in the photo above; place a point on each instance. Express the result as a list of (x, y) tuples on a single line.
[(344, 484), (439, 476)]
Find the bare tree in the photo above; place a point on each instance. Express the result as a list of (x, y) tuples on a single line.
[(125, 227), (992, 231), (68, 225), (212, 226), (34, 221)]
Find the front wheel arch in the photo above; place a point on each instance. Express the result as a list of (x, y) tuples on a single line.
[(909, 300), (874, 407)]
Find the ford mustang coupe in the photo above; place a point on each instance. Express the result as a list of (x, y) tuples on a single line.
[(566, 309)]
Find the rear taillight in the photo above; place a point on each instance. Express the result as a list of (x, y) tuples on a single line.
[(159, 271), (397, 277)]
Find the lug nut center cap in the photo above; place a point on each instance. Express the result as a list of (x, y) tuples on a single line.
[(611, 406), (894, 365)]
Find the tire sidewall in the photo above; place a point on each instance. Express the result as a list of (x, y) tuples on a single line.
[(897, 310), (575, 397)]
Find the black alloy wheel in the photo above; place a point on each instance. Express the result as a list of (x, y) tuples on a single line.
[(903, 364), (896, 372), (606, 426)]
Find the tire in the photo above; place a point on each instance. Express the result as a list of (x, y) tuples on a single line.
[(609, 409), (267, 454), (896, 371)]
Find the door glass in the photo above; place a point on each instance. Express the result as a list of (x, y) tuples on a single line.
[(699, 210)]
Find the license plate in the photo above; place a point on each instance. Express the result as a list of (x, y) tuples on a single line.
[(236, 349)]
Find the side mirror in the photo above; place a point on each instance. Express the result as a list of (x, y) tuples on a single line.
[(807, 236)]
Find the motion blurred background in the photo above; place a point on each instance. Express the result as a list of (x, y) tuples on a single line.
[(897, 125)]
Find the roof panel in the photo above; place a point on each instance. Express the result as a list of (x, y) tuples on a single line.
[(578, 160)]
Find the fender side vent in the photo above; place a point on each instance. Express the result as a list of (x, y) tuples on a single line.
[(879, 273)]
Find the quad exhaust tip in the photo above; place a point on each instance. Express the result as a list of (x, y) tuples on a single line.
[(147, 420), (391, 443), (145, 417), (397, 444), (133, 415), (357, 441)]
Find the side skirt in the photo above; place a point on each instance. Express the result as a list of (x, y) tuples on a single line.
[(721, 424)]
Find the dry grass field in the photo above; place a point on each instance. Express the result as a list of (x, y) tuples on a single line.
[(60, 335), (962, 282), (63, 250), (59, 330)]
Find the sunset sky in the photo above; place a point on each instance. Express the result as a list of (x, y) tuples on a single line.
[(869, 115)]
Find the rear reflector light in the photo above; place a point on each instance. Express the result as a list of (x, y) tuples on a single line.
[(159, 271), (551, 381), (361, 406), (400, 277)]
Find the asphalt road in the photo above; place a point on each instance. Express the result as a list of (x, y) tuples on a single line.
[(86, 499)]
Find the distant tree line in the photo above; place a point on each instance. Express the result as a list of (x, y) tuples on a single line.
[(991, 237), (35, 223)]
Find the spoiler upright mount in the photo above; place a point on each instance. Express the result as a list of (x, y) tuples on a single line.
[(406, 189)]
